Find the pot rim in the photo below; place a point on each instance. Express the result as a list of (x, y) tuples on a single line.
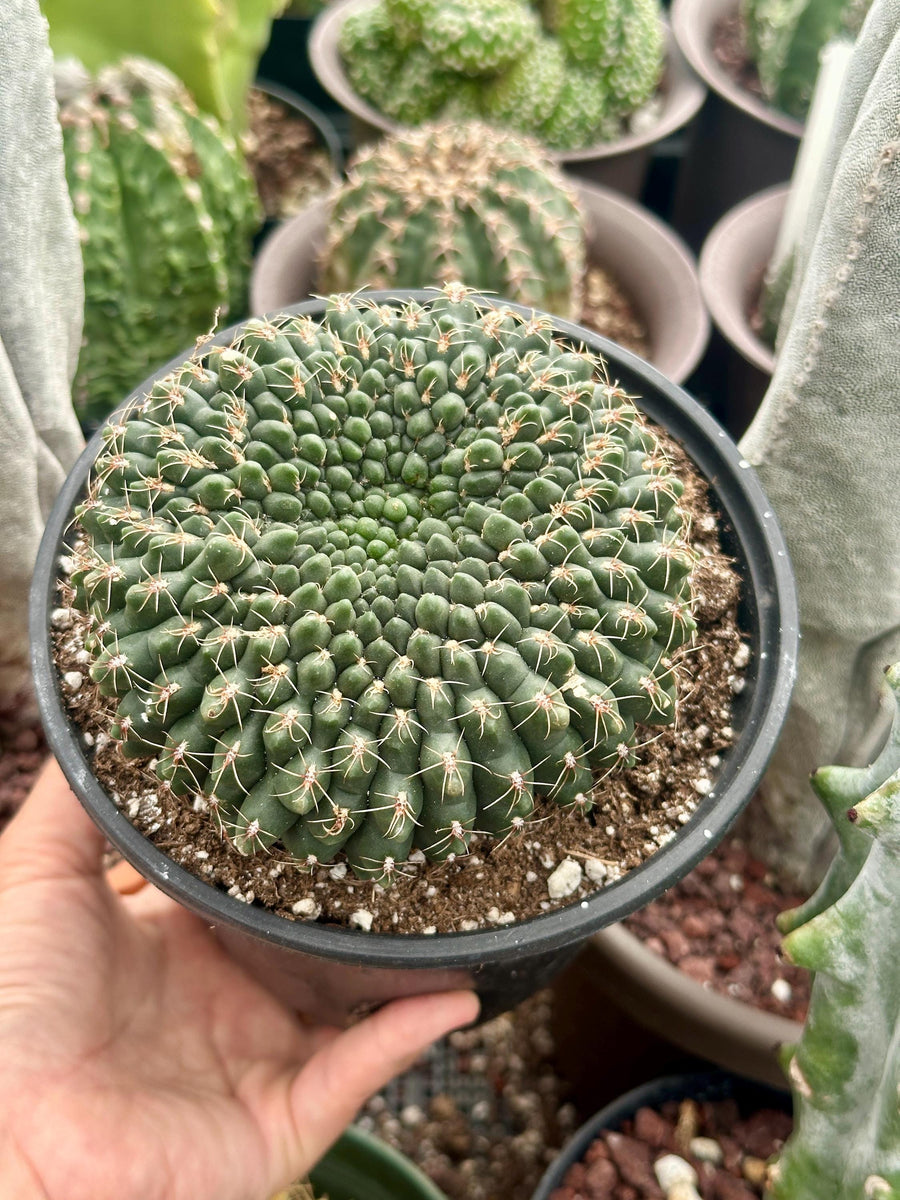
[(722, 290), (692, 22), (683, 94), (768, 580), (668, 249)]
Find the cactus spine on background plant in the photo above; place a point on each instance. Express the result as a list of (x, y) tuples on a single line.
[(451, 202), (167, 210), (785, 41), (845, 1071), (380, 582)]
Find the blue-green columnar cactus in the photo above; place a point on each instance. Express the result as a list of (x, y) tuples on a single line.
[(450, 202), (845, 1071), (166, 209), (380, 582), (786, 39)]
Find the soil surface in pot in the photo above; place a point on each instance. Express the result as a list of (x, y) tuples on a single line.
[(285, 156), (725, 1150), (731, 51), (718, 926), (608, 311), (637, 810)]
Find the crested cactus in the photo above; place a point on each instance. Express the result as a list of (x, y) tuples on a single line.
[(845, 1070), (167, 210), (449, 202), (382, 581), (785, 41)]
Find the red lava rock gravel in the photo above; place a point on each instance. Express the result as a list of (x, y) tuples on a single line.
[(22, 754), (726, 1152), (718, 926)]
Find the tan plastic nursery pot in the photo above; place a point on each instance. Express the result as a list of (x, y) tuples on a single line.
[(653, 266), (332, 973), (732, 264), (740, 143), (621, 164)]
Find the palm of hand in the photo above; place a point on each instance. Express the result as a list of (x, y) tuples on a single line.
[(137, 1059)]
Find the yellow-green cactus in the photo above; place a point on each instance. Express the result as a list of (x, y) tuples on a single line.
[(380, 581)]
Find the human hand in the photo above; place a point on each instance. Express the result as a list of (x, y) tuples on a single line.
[(138, 1060)]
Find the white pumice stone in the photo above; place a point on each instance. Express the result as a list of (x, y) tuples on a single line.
[(706, 1150), (595, 870), (73, 680), (683, 1191), (338, 871), (782, 990), (307, 907), (565, 880), (671, 1169), (361, 919), (61, 618)]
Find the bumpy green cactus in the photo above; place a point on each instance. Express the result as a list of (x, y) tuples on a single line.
[(522, 97), (479, 37), (449, 202), (845, 1071), (786, 39), (167, 211), (380, 581)]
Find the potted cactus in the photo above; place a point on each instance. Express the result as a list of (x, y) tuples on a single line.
[(598, 112), (376, 687), (492, 208)]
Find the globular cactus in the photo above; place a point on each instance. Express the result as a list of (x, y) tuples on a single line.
[(785, 41), (380, 582), (845, 1071), (522, 97), (479, 37), (450, 202), (166, 209)]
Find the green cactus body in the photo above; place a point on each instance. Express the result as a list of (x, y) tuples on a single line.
[(623, 39), (166, 210), (382, 581), (786, 37), (480, 37), (522, 97), (448, 202), (409, 18), (845, 1071), (583, 113)]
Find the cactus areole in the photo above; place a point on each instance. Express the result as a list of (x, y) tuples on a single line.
[(382, 575)]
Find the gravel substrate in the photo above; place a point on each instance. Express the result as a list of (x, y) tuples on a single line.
[(22, 753)]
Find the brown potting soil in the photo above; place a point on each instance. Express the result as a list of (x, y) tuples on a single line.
[(718, 926), (285, 156), (609, 312), (726, 1151), (731, 51), (22, 753)]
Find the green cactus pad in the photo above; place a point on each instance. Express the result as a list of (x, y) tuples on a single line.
[(381, 582), (480, 37), (167, 211), (451, 202)]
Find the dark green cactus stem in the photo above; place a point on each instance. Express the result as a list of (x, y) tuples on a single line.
[(167, 210), (381, 582), (450, 202), (845, 1071)]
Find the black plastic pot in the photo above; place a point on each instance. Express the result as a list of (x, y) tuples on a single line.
[(712, 1085), (333, 972), (285, 61)]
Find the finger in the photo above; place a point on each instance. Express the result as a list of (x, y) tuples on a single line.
[(333, 1085), (51, 837)]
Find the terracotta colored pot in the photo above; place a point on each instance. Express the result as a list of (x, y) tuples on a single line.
[(654, 268), (727, 1032), (732, 264), (740, 144), (621, 164)]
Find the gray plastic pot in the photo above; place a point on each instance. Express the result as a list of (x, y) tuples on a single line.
[(654, 267), (621, 164), (732, 264), (333, 973), (740, 144)]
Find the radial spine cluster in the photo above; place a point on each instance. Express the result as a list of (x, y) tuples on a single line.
[(378, 582)]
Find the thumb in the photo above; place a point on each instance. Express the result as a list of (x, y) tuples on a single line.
[(334, 1084), (51, 837)]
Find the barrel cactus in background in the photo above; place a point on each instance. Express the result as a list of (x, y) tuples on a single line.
[(845, 1070), (450, 202), (166, 210), (382, 581), (785, 41)]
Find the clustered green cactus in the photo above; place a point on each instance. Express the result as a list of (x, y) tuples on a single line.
[(845, 1071), (786, 39), (167, 211), (570, 81), (458, 202), (378, 582)]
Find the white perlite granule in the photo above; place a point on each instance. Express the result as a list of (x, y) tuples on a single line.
[(565, 880)]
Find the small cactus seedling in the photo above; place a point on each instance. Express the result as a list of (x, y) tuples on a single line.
[(458, 202), (845, 1071), (167, 211), (381, 581)]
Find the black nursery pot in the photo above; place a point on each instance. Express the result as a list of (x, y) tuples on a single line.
[(332, 972), (702, 1086)]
